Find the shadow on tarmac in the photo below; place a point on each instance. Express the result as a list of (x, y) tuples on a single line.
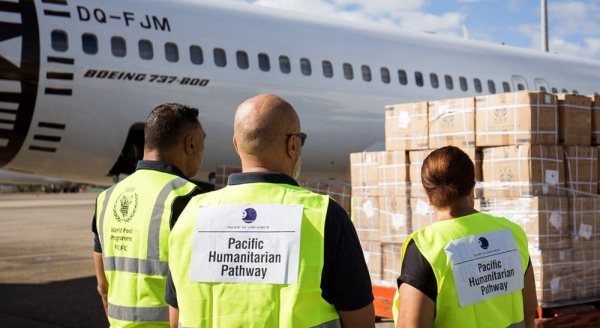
[(72, 303)]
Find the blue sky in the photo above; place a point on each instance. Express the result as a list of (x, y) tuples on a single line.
[(574, 24)]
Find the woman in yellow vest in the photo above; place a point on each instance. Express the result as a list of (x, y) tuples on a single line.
[(468, 269)]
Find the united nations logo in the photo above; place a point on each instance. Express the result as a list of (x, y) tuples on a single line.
[(483, 243), (249, 215), (500, 112), (125, 206)]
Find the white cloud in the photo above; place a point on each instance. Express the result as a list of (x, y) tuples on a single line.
[(374, 6)]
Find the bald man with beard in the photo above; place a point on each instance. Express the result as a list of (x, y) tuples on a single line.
[(264, 252)]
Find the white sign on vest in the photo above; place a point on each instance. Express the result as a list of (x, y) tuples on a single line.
[(247, 243), (485, 266)]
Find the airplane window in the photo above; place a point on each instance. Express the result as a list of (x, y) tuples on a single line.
[(366, 73), (146, 50), (505, 86), (242, 59), (554, 90), (520, 87), (118, 46), (565, 91), (463, 83), (60, 41), (402, 77), (305, 67), (89, 42), (220, 57), (263, 62), (327, 68), (171, 52), (477, 84), (419, 78), (348, 72), (449, 82), (435, 83), (492, 86), (284, 64), (385, 75), (196, 55), (543, 88)]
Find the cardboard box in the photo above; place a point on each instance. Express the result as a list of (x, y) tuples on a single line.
[(394, 219), (417, 157), (583, 222), (223, 172), (392, 255), (365, 216), (581, 168), (513, 118), (553, 271), (545, 220), (575, 119), (452, 123), (586, 272), (406, 126), (364, 173), (373, 258), (340, 191), (523, 171), (422, 213), (595, 118), (393, 173)]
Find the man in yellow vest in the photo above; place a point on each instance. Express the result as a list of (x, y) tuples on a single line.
[(263, 252), (133, 218)]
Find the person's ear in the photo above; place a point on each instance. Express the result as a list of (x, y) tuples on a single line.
[(235, 146), (190, 144), (292, 146)]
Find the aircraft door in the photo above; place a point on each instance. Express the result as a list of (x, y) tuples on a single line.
[(519, 83), (541, 84)]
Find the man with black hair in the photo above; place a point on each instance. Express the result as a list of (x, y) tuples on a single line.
[(133, 218)]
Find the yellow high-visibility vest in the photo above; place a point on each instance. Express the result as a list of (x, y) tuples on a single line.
[(505, 310), (132, 220), (248, 304)]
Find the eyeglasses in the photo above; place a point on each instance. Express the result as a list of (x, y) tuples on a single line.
[(300, 135)]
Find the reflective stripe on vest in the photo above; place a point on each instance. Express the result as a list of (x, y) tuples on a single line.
[(133, 265), (101, 218), (330, 324), (138, 314)]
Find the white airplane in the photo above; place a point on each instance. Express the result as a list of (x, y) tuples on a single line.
[(78, 78)]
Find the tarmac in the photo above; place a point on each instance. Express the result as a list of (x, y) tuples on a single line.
[(47, 277)]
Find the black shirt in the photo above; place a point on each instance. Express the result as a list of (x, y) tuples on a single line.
[(345, 280), (178, 204)]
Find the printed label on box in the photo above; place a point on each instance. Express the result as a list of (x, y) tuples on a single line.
[(552, 177), (422, 207), (585, 231), (556, 220), (403, 120)]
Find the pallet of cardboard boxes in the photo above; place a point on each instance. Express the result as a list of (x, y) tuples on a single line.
[(536, 159)]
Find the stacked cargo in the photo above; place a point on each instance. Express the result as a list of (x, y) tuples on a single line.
[(535, 165)]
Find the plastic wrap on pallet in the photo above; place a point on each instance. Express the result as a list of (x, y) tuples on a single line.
[(340, 191), (581, 169), (364, 173), (394, 219), (392, 254), (545, 220), (452, 123), (222, 174), (373, 257), (524, 117), (393, 173), (365, 216), (406, 126), (575, 124), (586, 272), (554, 278), (523, 171)]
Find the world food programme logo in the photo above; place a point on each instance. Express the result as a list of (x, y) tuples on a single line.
[(483, 243), (448, 118), (500, 112), (125, 206), (505, 177), (249, 215)]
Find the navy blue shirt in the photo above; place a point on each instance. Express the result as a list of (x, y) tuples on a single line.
[(345, 280), (178, 204)]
